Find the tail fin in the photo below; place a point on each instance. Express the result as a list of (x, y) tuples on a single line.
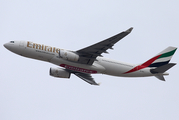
[(161, 62), (161, 59)]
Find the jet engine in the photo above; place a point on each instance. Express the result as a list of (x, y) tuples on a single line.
[(68, 55), (58, 72)]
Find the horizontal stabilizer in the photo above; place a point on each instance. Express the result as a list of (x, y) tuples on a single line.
[(163, 68), (160, 77)]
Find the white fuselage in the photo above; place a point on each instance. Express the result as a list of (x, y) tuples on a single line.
[(51, 54)]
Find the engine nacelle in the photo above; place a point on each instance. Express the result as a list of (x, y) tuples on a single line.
[(58, 72), (68, 55)]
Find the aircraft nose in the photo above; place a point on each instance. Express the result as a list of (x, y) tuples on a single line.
[(9, 46), (6, 45)]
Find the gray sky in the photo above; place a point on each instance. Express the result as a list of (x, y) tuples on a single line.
[(27, 92)]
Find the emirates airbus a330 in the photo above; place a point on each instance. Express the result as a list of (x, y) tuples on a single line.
[(89, 60)]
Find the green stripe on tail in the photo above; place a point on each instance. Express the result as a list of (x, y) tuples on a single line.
[(167, 54)]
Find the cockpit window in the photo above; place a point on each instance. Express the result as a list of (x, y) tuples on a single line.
[(11, 41)]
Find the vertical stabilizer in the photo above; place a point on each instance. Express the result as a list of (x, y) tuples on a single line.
[(163, 57), (160, 63)]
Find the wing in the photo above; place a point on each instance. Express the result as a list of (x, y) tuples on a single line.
[(86, 77), (88, 55)]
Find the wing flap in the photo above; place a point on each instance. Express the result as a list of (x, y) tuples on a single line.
[(86, 77)]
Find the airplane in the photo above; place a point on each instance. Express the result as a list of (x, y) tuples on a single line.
[(89, 60)]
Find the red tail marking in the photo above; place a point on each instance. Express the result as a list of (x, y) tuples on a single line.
[(144, 65)]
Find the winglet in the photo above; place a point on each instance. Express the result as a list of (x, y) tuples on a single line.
[(129, 30)]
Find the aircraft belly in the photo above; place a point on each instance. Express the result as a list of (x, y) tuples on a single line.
[(115, 68), (139, 73), (112, 67), (120, 71)]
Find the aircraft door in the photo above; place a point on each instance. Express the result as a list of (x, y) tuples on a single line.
[(21, 43)]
